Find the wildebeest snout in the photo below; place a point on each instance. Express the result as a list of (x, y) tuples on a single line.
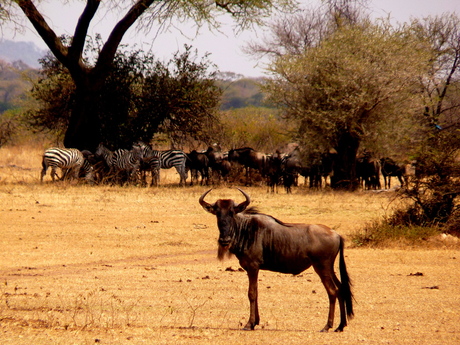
[(224, 241)]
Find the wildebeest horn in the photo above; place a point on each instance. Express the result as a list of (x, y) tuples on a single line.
[(241, 207), (207, 206)]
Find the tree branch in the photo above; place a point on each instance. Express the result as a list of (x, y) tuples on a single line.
[(81, 30), (110, 47), (46, 33)]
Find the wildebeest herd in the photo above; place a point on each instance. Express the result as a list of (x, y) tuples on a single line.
[(213, 166)]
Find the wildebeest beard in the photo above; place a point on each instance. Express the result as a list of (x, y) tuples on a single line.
[(223, 252)]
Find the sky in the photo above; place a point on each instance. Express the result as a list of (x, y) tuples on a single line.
[(225, 47)]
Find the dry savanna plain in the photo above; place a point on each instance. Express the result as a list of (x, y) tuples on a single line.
[(85, 264)]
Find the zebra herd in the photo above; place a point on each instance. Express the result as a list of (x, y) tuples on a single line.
[(243, 165), (135, 165), (119, 166)]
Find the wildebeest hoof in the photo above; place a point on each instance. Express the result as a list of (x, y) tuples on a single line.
[(249, 327)]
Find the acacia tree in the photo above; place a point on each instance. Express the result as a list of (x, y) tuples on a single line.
[(84, 126), (340, 91), (139, 95)]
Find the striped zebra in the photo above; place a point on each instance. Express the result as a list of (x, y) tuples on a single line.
[(86, 171), (151, 162), (126, 163), (154, 160), (103, 166), (176, 159), (68, 160)]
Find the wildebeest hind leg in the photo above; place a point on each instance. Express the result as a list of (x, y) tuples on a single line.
[(327, 278), (343, 317)]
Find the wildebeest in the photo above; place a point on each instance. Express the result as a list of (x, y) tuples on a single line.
[(391, 168), (250, 159), (368, 170), (274, 171), (261, 241), (198, 163)]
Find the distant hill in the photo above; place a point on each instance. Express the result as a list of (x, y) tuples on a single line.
[(241, 92), (238, 91), (26, 52)]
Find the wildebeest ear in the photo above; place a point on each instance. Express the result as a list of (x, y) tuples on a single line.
[(207, 206), (241, 207)]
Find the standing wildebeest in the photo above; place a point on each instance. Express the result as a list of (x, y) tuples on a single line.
[(274, 171), (250, 159), (198, 163), (262, 242), (368, 171), (391, 168)]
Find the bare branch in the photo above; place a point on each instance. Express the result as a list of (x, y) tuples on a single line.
[(46, 33)]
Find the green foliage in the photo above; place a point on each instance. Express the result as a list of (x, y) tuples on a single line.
[(358, 78), (435, 187), (431, 197), (55, 92), (259, 128), (13, 83), (140, 96)]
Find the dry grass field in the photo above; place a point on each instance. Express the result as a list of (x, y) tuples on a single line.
[(129, 265)]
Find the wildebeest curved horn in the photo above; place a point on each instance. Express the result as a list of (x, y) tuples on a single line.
[(207, 206), (241, 207)]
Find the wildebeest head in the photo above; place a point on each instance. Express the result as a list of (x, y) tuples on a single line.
[(225, 210)]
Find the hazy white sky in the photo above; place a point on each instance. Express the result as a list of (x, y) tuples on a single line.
[(225, 48)]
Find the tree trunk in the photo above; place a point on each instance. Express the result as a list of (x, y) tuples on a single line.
[(344, 177), (83, 132)]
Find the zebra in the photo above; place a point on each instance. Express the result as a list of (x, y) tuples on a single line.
[(86, 170), (154, 160), (151, 161), (104, 165), (126, 162), (177, 159), (68, 160)]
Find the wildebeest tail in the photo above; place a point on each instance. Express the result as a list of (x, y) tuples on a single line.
[(345, 288)]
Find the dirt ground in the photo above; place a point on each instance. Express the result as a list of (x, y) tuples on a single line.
[(111, 265)]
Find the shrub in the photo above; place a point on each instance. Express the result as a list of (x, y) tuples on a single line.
[(382, 233)]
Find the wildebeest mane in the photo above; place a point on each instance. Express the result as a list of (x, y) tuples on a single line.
[(253, 210)]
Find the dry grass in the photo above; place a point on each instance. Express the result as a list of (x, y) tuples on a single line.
[(111, 265)]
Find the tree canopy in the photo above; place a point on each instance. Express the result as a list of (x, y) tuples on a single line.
[(84, 125), (351, 87), (139, 95), (351, 82)]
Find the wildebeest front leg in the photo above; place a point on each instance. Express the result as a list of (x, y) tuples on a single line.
[(252, 295)]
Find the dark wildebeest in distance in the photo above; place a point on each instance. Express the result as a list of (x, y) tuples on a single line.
[(260, 241), (198, 163), (274, 171), (391, 168), (218, 163), (368, 171), (250, 159)]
